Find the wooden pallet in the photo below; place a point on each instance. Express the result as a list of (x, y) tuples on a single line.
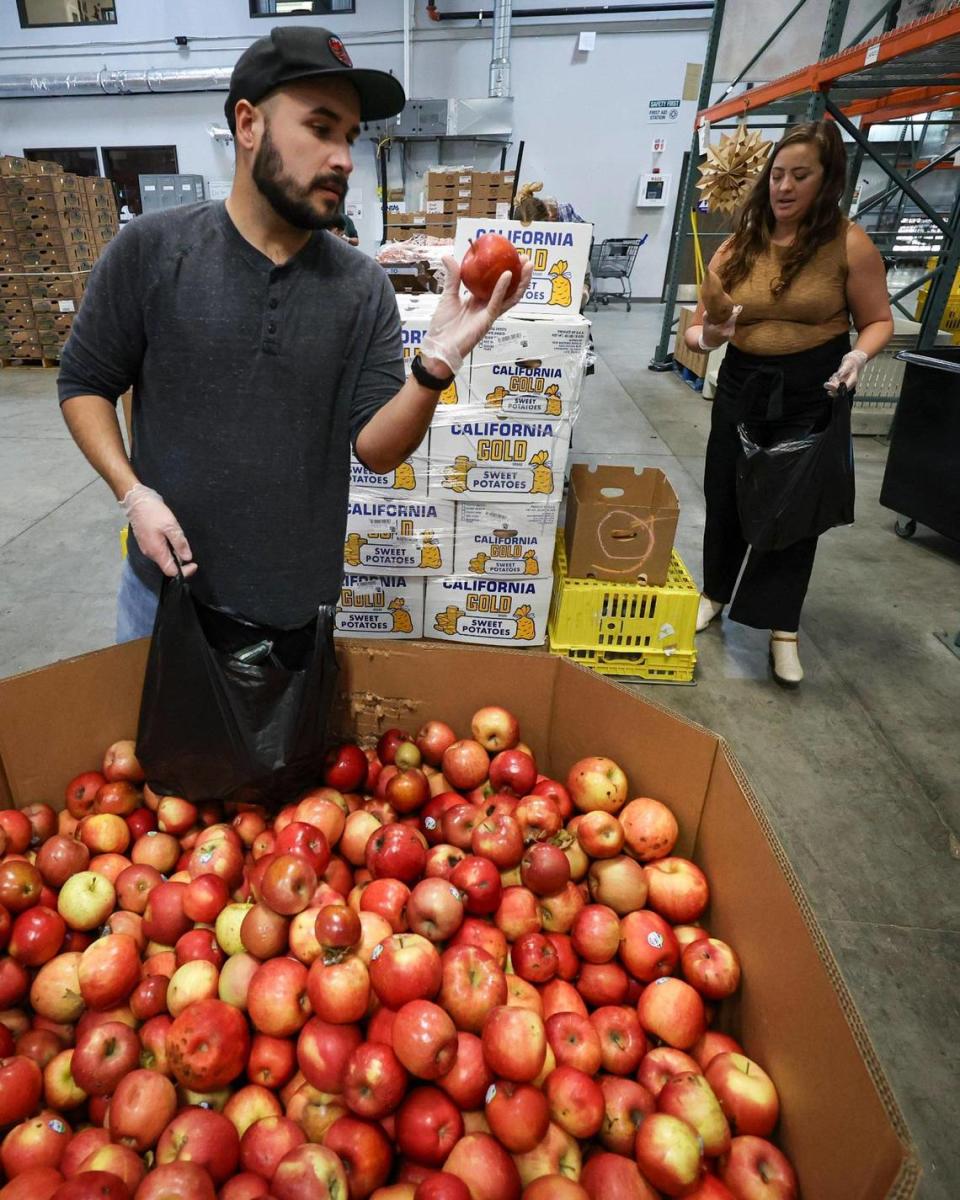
[(29, 362)]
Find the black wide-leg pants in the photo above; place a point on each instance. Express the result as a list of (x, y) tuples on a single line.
[(774, 583)]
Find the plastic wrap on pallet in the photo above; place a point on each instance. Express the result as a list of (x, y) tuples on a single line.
[(494, 612), (380, 606), (505, 540), (389, 534), (408, 479)]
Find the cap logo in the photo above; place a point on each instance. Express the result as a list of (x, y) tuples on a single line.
[(339, 51)]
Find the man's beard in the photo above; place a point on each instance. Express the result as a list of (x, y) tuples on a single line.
[(287, 198)]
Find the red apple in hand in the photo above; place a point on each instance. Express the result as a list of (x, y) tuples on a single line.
[(485, 261)]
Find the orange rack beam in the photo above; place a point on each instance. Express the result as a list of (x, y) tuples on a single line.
[(905, 102), (857, 63)]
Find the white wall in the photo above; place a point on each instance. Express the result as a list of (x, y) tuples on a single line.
[(582, 116)]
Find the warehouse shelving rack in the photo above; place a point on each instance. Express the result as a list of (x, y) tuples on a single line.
[(900, 73)]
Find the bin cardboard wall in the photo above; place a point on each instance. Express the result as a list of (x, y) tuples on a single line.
[(840, 1125)]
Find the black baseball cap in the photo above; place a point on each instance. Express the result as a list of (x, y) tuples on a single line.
[(296, 52)]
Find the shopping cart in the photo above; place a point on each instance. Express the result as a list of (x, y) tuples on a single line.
[(613, 259)]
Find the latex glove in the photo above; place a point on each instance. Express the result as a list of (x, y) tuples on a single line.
[(848, 372), (459, 323), (157, 529), (713, 336)]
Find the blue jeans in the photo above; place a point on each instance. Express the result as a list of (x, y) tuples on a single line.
[(136, 606)]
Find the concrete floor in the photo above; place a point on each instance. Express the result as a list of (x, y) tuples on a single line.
[(858, 769)]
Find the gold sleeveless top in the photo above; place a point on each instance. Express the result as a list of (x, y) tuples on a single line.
[(812, 311)]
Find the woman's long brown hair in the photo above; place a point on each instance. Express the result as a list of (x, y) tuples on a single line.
[(820, 225)]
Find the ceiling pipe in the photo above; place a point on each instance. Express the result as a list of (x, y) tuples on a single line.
[(152, 81), (582, 10), (500, 49)]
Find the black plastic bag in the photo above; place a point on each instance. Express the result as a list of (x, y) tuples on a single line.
[(230, 710), (798, 487)]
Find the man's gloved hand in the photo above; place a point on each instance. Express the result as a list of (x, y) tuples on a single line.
[(848, 372), (156, 530), (713, 336), (458, 324)]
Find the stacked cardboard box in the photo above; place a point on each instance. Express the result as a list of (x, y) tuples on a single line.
[(491, 193), (53, 227), (402, 225), (471, 518), (447, 197)]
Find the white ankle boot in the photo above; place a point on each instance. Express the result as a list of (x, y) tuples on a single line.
[(707, 610), (784, 658)]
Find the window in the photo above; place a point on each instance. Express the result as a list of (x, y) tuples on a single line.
[(125, 164), (300, 8), (78, 160), (34, 13)]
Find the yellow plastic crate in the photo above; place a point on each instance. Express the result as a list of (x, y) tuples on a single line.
[(626, 629)]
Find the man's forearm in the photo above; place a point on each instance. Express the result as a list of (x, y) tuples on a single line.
[(94, 426), (392, 434)]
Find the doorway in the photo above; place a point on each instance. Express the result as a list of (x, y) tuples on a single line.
[(125, 164)]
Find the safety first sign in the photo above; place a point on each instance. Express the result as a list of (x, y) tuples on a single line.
[(487, 611), (559, 250)]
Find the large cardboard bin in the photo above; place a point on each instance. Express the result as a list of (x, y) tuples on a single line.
[(840, 1124)]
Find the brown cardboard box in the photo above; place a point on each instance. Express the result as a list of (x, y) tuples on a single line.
[(11, 165), (54, 286), (620, 524), (12, 307), (441, 229), (96, 185), (13, 286), (840, 1124), (693, 360)]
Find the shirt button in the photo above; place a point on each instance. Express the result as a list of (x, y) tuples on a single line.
[(274, 302), (272, 327)]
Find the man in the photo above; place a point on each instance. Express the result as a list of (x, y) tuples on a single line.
[(259, 348)]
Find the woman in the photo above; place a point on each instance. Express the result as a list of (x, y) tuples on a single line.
[(798, 272)]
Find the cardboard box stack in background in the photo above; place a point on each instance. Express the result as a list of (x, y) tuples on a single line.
[(53, 228), (473, 514)]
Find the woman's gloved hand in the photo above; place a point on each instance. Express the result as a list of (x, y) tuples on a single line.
[(712, 337), (847, 373), (460, 322), (157, 529)]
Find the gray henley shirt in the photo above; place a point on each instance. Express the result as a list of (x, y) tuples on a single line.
[(250, 381)]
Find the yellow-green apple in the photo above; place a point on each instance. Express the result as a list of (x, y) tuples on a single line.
[(691, 1098), (668, 1154), (746, 1093), (712, 967), (521, 994), (518, 912), (754, 1169), (374, 1081), (648, 947), (373, 929), (597, 783), (485, 1167), (557, 1154), (60, 1090), (650, 829), (112, 1161), (86, 900), (574, 1041), (618, 882), (472, 984), (518, 1115), (622, 1040), (365, 1151), (428, 1126), (661, 1064), (495, 728), (609, 1176), (197, 980), (514, 1043), (425, 1039)]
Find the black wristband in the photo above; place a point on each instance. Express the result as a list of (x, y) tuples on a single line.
[(425, 379)]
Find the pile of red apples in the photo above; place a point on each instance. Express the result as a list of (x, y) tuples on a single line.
[(441, 975)]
